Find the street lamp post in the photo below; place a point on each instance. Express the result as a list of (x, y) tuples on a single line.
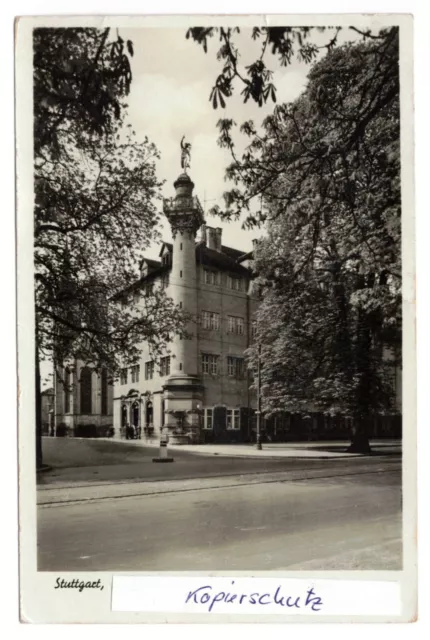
[(199, 416), (258, 412)]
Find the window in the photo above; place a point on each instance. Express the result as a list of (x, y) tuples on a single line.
[(86, 391), (166, 259), (211, 277), (236, 325), (207, 418), (210, 363), (149, 370), (165, 366), (135, 373), (67, 390), (210, 320), (253, 330), (233, 419), (123, 377), (104, 392), (235, 367), (165, 281), (235, 283)]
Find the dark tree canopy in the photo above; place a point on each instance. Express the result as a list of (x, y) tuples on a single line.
[(81, 77)]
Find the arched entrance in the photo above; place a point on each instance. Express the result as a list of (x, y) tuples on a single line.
[(135, 418), (135, 414), (124, 419), (149, 417)]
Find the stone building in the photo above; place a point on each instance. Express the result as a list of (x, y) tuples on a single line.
[(83, 401), (200, 389), (47, 398)]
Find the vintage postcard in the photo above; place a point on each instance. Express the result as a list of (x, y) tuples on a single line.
[(216, 309)]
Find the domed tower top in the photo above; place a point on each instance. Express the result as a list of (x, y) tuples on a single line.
[(184, 186), (184, 211)]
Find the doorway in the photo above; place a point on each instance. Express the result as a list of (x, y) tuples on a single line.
[(149, 414), (135, 414)]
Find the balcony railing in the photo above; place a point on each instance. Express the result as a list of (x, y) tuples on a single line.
[(182, 203)]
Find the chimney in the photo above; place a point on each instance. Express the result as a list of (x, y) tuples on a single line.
[(218, 232), (211, 238), (203, 233)]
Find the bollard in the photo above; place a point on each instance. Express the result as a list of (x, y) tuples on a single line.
[(163, 456)]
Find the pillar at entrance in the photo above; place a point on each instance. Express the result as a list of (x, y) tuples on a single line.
[(183, 389)]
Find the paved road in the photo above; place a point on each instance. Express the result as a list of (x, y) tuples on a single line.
[(339, 521), (83, 461)]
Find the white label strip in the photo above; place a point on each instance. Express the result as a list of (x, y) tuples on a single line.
[(293, 597)]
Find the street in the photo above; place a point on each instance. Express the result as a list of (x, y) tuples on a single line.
[(87, 461), (322, 514)]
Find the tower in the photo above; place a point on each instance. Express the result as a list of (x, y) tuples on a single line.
[(183, 389)]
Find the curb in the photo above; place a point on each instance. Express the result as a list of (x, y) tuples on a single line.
[(251, 455)]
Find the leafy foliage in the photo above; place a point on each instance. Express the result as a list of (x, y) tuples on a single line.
[(80, 78), (328, 166), (256, 78), (95, 195), (95, 213)]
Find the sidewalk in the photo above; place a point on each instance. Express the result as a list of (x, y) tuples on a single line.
[(319, 450)]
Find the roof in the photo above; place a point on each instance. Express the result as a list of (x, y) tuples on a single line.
[(169, 245), (153, 264), (246, 256), (227, 260), (220, 259), (233, 253)]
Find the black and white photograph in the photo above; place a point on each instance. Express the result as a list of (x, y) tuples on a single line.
[(215, 332)]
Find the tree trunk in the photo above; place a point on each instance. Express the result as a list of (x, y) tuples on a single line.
[(365, 388), (38, 417), (360, 437)]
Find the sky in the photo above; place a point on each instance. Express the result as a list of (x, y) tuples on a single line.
[(169, 98)]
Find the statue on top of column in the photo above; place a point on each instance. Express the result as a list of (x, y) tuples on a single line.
[(185, 154)]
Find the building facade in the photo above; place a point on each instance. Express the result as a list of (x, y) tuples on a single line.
[(83, 401), (200, 390), (47, 398)]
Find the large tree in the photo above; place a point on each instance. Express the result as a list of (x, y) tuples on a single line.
[(95, 195), (326, 169)]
